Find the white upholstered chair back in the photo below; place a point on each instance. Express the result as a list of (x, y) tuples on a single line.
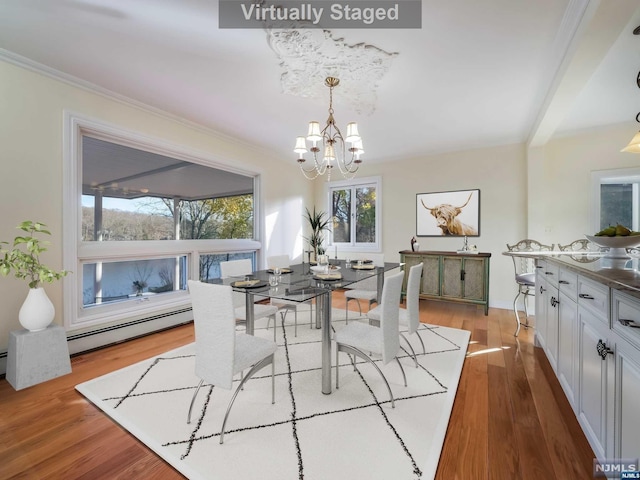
[(278, 261), (234, 268), (413, 297), (215, 332), (389, 319)]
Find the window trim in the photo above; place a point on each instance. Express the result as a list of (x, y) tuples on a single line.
[(374, 247), (75, 252)]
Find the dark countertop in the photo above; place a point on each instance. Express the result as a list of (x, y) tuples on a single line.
[(620, 274)]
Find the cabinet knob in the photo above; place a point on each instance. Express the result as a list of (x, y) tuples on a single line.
[(586, 296), (603, 350), (542, 289)]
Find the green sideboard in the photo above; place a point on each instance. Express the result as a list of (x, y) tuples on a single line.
[(451, 276)]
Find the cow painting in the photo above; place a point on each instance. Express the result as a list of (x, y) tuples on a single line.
[(446, 216)]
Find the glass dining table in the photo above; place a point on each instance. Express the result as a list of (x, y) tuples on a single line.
[(302, 283)]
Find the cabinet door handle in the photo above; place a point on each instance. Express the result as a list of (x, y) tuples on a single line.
[(603, 350), (554, 301), (563, 282), (586, 296), (629, 323), (548, 273), (542, 289), (538, 266), (462, 274)]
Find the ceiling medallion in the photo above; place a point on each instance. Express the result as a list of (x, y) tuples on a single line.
[(307, 54)]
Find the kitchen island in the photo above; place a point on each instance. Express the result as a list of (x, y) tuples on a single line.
[(588, 324)]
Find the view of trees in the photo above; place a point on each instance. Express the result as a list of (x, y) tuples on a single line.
[(365, 214), (228, 218)]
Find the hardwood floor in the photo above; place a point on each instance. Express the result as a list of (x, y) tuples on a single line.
[(510, 419)]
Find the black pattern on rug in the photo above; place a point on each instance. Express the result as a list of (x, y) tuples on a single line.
[(294, 420)]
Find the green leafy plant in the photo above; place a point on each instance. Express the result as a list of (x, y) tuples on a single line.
[(24, 258), (319, 222)]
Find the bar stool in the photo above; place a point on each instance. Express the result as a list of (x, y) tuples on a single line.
[(525, 275)]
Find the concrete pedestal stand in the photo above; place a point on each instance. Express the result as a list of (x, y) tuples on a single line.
[(35, 357)]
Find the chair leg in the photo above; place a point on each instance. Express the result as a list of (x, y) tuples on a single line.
[(515, 310), (273, 382), (359, 353), (346, 310), (413, 352), (424, 350), (258, 366), (193, 399), (337, 369), (526, 310), (402, 370)]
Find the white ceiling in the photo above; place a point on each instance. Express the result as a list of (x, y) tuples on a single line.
[(478, 73)]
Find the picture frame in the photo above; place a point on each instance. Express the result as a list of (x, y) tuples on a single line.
[(453, 213)]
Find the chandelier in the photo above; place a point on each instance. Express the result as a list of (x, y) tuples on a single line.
[(331, 143)]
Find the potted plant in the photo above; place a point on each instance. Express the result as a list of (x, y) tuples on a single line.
[(319, 222), (23, 259)]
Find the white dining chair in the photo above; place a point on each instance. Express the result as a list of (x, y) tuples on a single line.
[(357, 338), (221, 353), (283, 261), (366, 289), (408, 317), (240, 268)]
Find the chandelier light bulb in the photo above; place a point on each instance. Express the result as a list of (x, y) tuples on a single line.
[(329, 153), (301, 146), (352, 133), (314, 132)]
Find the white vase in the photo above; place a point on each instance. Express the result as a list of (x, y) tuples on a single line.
[(37, 311)]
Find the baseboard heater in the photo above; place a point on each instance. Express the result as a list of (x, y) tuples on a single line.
[(121, 332)]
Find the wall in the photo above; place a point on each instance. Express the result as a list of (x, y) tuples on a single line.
[(560, 179), (31, 139), (499, 173)]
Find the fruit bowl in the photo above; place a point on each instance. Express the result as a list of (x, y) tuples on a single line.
[(617, 245)]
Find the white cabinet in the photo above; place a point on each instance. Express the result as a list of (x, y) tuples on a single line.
[(568, 359), (590, 333), (547, 301), (542, 300), (595, 373), (626, 396)]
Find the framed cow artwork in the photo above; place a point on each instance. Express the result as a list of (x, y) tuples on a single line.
[(448, 214)]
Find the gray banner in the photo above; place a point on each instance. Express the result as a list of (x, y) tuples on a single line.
[(320, 14)]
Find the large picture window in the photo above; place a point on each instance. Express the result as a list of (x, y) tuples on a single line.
[(354, 207), (146, 218)]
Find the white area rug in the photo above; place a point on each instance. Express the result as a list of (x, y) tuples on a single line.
[(351, 434)]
